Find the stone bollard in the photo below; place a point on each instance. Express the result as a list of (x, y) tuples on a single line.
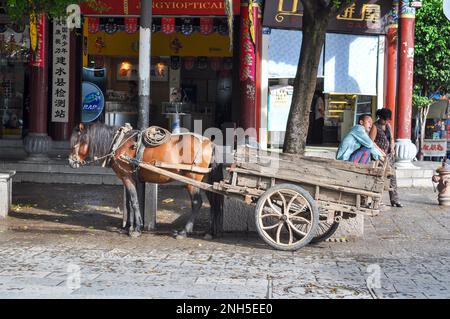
[(443, 180), (5, 192)]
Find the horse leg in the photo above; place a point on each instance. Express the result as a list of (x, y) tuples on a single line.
[(196, 203), (135, 213), (128, 208)]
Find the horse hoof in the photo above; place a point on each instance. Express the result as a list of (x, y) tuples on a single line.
[(180, 237), (135, 234), (208, 237)]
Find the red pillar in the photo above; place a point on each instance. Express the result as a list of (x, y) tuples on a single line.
[(39, 79), (405, 149), (37, 143), (406, 69), (249, 61), (391, 63)]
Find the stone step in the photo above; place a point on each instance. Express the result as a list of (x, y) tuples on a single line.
[(59, 172)]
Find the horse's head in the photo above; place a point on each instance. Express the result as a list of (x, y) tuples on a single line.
[(79, 143)]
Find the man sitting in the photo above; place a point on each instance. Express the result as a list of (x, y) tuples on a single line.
[(357, 146)]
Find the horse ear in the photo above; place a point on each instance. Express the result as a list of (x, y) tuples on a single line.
[(81, 126)]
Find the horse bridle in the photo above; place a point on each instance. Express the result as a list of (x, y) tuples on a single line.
[(110, 155)]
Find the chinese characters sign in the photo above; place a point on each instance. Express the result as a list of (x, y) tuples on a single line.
[(38, 31), (60, 84), (363, 16), (434, 148)]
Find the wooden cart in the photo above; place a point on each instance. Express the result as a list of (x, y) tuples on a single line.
[(299, 199)]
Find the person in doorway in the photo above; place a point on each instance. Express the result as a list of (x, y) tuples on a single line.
[(319, 110), (381, 134), (357, 147)]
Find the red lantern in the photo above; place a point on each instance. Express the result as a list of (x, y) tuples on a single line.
[(216, 63), (189, 63), (168, 25), (93, 24), (206, 26), (131, 24)]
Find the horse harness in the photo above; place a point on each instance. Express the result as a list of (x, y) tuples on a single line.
[(150, 137)]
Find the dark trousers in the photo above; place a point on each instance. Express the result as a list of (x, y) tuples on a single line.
[(393, 193)]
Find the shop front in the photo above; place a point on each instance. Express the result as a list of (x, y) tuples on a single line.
[(350, 74), (14, 57), (191, 63)]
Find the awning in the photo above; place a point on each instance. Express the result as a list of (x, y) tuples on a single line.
[(160, 7)]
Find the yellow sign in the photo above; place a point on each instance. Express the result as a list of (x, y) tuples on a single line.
[(33, 31), (175, 44)]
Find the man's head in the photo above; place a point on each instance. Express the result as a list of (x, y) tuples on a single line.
[(366, 121)]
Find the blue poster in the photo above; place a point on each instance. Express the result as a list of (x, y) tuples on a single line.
[(93, 102)]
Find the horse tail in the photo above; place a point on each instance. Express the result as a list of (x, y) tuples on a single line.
[(215, 200)]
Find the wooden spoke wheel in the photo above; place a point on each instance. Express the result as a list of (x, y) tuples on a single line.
[(286, 217), (325, 229)]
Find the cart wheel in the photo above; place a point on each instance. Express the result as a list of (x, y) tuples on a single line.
[(286, 217), (325, 229)]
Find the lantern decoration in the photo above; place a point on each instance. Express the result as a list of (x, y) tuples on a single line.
[(175, 62), (111, 27), (227, 63), (189, 63), (93, 24), (206, 26), (187, 26), (131, 24), (202, 62), (168, 25), (216, 63)]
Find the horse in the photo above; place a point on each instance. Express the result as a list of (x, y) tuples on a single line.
[(94, 141)]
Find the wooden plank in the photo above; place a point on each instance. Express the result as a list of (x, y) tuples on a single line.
[(308, 180), (322, 175), (183, 167), (175, 176), (362, 168)]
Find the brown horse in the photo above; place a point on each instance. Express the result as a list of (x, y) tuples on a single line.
[(93, 141)]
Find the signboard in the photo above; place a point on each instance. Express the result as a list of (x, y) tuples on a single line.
[(434, 148), (280, 98), (160, 7), (93, 102), (38, 32), (362, 17), (446, 7), (60, 78)]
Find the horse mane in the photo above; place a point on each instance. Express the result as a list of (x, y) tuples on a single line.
[(99, 136)]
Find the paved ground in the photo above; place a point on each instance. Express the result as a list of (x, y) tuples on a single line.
[(63, 241)]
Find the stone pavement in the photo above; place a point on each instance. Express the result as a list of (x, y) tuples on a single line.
[(63, 241)]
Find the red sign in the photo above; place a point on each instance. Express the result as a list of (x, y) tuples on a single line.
[(37, 55), (168, 25), (131, 24), (93, 24), (160, 7), (206, 26)]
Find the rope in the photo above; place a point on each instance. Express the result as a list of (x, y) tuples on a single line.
[(155, 135)]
